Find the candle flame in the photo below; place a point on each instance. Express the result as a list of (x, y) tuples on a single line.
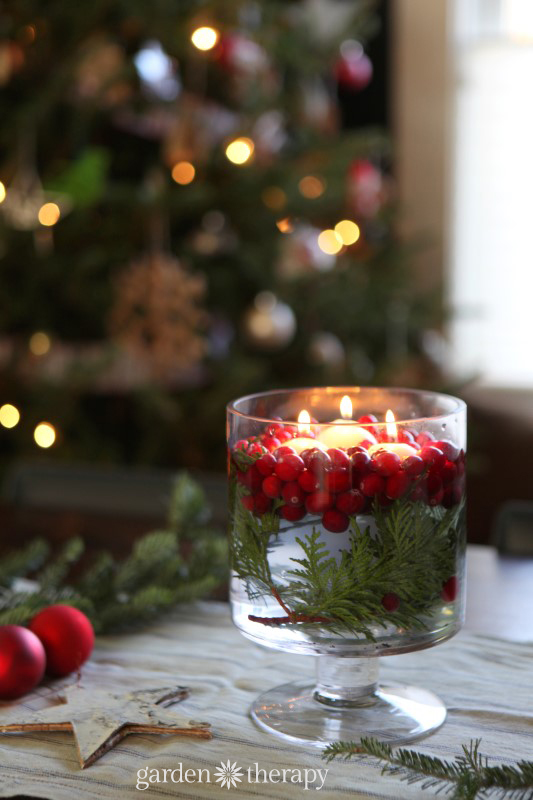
[(346, 407), (392, 430), (304, 422)]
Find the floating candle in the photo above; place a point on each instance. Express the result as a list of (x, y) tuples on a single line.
[(342, 433)]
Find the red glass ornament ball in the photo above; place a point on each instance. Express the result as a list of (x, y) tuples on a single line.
[(22, 661), (67, 636)]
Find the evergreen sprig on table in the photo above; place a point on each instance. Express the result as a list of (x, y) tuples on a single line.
[(185, 561), (465, 778)]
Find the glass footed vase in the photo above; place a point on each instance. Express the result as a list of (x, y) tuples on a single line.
[(347, 540)]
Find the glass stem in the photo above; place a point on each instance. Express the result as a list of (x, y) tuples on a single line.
[(346, 682)]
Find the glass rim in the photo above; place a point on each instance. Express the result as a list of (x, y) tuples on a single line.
[(460, 405)]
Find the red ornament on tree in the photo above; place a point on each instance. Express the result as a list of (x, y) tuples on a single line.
[(354, 69), (67, 636), (22, 661)]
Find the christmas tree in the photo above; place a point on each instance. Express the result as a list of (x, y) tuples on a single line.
[(183, 220)]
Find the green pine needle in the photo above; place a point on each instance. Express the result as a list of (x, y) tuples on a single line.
[(465, 778)]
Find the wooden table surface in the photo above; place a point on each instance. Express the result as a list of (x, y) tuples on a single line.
[(499, 598)]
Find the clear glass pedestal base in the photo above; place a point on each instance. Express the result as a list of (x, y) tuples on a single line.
[(346, 703)]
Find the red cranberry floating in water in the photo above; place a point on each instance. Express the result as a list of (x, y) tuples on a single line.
[(292, 513), (256, 449), (285, 435), (372, 484), (360, 460), (351, 502), (318, 462), (338, 480), (308, 481), (448, 472), (338, 457), (274, 428), (432, 455), (289, 467), (390, 602), (271, 443), (285, 450), (386, 463), (397, 485), (266, 464), (241, 446), (248, 502), (405, 436), (335, 521), (262, 503), (424, 437), (413, 466), (293, 494), (318, 502), (252, 478), (450, 589), (450, 450), (271, 486)]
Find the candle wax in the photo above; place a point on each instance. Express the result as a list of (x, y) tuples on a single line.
[(345, 435), (400, 448)]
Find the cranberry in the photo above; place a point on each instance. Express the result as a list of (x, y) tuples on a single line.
[(262, 503), (368, 419), (285, 450), (383, 500), (241, 445), (390, 602), (308, 481), (338, 457), (432, 455), (360, 460), (285, 435), (385, 463), (271, 442), (424, 437), (292, 513), (248, 502), (397, 485), (274, 428), (252, 478), (450, 450), (350, 502), (256, 449), (289, 466), (318, 461), (372, 484), (405, 436), (367, 443), (450, 589), (318, 502), (271, 486), (338, 480), (414, 466), (433, 483), (293, 494), (266, 464), (448, 472), (383, 437), (335, 521)]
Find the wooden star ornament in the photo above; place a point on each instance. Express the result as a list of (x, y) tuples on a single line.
[(100, 719)]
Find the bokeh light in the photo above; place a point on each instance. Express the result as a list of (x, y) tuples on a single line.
[(49, 214), (348, 231), (2, 192), (9, 415), (240, 150), (274, 198), (285, 225), (183, 172), (204, 38), (330, 242), (39, 343), (311, 187), (44, 434)]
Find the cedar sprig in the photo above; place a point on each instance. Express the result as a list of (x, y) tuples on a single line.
[(465, 778)]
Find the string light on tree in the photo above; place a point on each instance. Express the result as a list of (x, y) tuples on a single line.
[(311, 187), (204, 38), (348, 231), (330, 242), (44, 435), (39, 343), (49, 214), (240, 150), (285, 225), (183, 173), (9, 416)]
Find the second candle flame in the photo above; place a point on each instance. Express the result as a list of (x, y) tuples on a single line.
[(392, 429), (304, 422), (346, 407)]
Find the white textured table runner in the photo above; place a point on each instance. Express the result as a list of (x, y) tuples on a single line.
[(486, 683)]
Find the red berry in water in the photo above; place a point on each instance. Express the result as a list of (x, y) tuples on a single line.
[(285, 435), (424, 437), (285, 450), (360, 460), (266, 464), (338, 457), (338, 480), (262, 503), (368, 420), (383, 437), (390, 602), (271, 443), (397, 485), (248, 502), (292, 513), (289, 467), (318, 502), (383, 500), (432, 455), (350, 502), (450, 589), (241, 445), (335, 521), (450, 450), (405, 436), (271, 486), (433, 483), (274, 428), (256, 449), (293, 494), (318, 462), (448, 472), (386, 463), (413, 466), (308, 481), (252, 478), (372, 484)]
